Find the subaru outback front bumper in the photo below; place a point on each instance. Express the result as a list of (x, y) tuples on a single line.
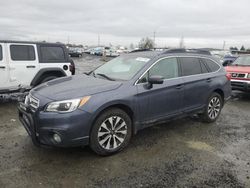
[(72, 128)]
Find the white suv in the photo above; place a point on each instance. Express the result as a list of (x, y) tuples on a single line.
[(28, 64)]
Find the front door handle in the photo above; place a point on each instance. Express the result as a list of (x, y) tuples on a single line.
[(2, 67), (179, 86), (30, 66)]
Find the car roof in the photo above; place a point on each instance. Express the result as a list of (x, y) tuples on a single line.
[(153, 54), (146, 54), (29, 42)]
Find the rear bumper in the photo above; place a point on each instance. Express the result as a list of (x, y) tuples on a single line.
[(41, 127), (241, 85)]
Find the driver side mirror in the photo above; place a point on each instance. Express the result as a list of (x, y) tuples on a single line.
[(155, 79)]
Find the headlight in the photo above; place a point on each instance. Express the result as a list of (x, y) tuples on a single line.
[(248, 75), (67, 105)]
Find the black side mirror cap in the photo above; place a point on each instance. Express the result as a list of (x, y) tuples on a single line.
[(155, 79)]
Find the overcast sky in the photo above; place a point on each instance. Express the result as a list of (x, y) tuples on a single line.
[(202, 23)]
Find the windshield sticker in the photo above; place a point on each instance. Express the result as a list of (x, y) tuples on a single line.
[(142, 59)]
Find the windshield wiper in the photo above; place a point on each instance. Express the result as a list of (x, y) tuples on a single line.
[(105, 76)]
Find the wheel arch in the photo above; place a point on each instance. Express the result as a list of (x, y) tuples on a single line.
[(221, 93), (126, 108), (47, 71)]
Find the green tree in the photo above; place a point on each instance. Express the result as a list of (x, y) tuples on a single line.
[(146, 43), (242, 48)]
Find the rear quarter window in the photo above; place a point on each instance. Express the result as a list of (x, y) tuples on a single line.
[(213, 67), (50, 54), (1, 53), (22, 52)]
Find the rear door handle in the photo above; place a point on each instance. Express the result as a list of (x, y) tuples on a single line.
[(2, 67), (179, 86), (209, 80), (30, 66)]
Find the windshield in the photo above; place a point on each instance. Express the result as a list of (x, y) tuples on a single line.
[(121, 68), (243, 60)]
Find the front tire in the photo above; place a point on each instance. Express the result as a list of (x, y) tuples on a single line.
[(213, 108), (111, 132)]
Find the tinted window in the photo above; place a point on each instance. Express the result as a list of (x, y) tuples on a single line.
[(1, 53), (212, 65), (167, 68), (22, 52), (190, 66), (52, 54), (204, 68)]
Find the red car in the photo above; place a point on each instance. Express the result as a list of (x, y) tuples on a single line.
[(240, 73)]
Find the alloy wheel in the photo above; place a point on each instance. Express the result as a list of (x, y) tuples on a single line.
[(112, 133), (214, 108)]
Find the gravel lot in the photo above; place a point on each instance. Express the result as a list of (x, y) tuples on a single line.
[(181, 153)]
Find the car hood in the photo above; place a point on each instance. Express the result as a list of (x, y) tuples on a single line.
[(241, 69), (74, 87)]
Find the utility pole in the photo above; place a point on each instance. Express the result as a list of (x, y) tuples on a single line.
[(182, 42), (154, 38), (224, 45), (68, 39), (98, 40)]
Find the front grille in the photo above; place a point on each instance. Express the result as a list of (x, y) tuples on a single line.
[(239, 75), (32, 101), (238, 84)]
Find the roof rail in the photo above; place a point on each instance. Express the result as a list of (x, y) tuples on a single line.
[(191, 51), (140, 50)]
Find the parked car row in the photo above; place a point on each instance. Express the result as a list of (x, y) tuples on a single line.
[(75, 52), (106, 51)]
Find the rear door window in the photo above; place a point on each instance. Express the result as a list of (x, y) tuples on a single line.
[(50, 54), (1, 53), (190, 66), (22, 52), (211, 65)]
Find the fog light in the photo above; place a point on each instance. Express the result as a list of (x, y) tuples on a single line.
[(57, 138)]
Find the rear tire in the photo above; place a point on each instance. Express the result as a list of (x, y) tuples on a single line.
[(213, 108), (111, 132)]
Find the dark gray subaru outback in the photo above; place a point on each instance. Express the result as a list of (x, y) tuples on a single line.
[(105, 107)]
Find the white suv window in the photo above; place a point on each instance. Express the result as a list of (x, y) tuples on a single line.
[(22, 53), (52, 54)]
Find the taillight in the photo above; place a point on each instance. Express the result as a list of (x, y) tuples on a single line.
[(72, 68), (228, 75)]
